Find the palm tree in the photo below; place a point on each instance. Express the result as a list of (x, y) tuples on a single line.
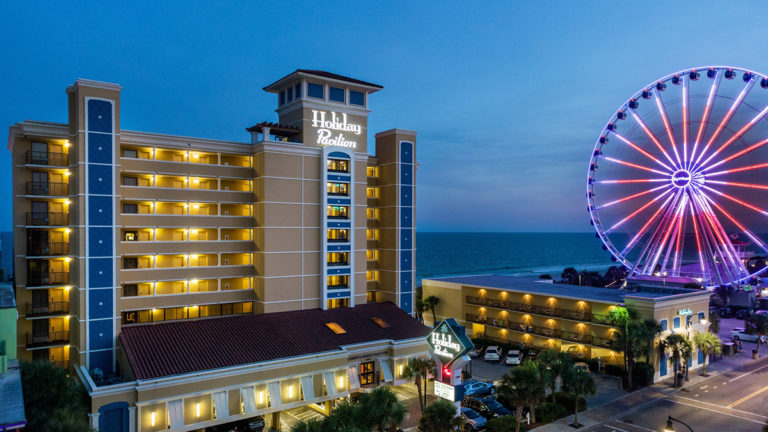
[(420, 309), (430, 302), (675, 344), (580, 383), (707, 343), (714, 322), (626, 338), (440, 416), (760, 324), (554, 364), (382, 409), (687, 354), (346, 416), (311, 425), (648, 330), (418, 369), (524, 386)]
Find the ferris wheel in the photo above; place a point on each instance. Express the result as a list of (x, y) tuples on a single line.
[(678, 180)]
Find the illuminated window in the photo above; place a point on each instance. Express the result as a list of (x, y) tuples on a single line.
[(356, 98), (336, 94), (380, 322), (338, 258), (338, 189), (335, 328), (338, 165), (315, 90), (130, 236), (367, 373), (337, 303), (337, 235), (337, 281), (372, 171), (339, 212)]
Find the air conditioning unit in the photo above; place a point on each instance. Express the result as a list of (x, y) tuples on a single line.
[(226, 286), (226, 261), (226, 236)]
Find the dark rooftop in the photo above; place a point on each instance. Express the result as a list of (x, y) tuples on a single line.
[(188, 346), (324, 74)]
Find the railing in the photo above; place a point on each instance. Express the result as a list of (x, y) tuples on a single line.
[(47, 218), (602, 342), (338, 217), (338, 240), (519, 307), (576, 337), (47, 278), (514, 325), (47, 158), (45, 309), (45, 339), (338, 194), (48, 249), (576, 315), (344, 171), (601, 319), (47, 188)]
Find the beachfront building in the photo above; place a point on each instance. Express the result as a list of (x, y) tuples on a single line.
[(541, 315), (115, 228)]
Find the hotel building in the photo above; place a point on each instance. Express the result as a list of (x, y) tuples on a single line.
[(572, 319), (116, 228)]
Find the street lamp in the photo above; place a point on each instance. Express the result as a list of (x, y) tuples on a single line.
[(669, 427)]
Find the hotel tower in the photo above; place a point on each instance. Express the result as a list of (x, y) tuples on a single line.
[(116, 228)]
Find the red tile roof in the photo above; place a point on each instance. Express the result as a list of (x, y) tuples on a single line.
[(159, 350)]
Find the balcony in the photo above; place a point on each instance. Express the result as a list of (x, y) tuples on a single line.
[(47, 278), (552, 311), (47, 158), (337, 264), (516, 326), (47, 219), (338, 240), (601, 319), (48, 249), (603, 342), (576, 315), (39, 340), (339, 286), (47, 309), (47, 189), (582, 338)]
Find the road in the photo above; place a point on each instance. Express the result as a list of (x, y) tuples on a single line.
[(734, 401)]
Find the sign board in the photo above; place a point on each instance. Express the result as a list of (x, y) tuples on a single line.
[(335, 129), (449, 341), (445, 391), (684, 312)]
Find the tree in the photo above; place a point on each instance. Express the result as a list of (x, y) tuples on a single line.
[(626, 338), (714, 322), (382, 409), (545, 277), (570, 276), (440, 416), (420, 309), (346, 416), (430, 302), (418, 369), (707, 343), (311, 425), (675, 345), (759, 324), (647, 331), (500, 424), (554, 364), (687, 355), (580, 383), (523, 386), (53, 401)]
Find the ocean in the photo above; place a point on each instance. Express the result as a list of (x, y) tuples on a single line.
[(453, 254)]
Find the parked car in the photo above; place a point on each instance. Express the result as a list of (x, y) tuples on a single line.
[(255, 424), (761, 312), (739, 333), (514, 357), (475, 421), (486, 407), (475, 352), (478, 388), (581, 366), (532, 354), (492, 353)]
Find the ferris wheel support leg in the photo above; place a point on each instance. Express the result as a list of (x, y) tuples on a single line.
[(721, 235)]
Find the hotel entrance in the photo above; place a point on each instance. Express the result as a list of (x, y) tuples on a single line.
[(368, 374)]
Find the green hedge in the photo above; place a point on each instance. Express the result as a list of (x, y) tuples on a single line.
[(616, 370), (503, 424), (567, 401), (550, 411), (642, 374)]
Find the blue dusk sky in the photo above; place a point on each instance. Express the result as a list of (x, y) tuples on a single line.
[(507, 97)]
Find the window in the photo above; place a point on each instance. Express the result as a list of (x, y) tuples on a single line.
[(130, 235), (130, 263), (130, 317), (337, 165), (676, 322), (663, 324), (337, 281), (282, 97), (337, 235), (289, 93), (297, 91), (130, 290), (315, 90), (338, 189), (701, 317), (337, 303), (130, 181), (356, 98), (130, 208), (337, 258), (129, 153), (367, 373), (337, 212), (336, 94), (336, 328)]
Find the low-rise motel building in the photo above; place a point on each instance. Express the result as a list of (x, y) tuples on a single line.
[(192, 281), (574, 319)]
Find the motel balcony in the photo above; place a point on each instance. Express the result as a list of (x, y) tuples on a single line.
[(48, 249), (35, 310), (47, 219), (583, 338), (47, 189), (47, 159), (553, 311), (47, 278), (338, 286), (516, 326), (40, 340)]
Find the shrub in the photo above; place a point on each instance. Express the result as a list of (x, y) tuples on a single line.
[(615, 370), (594, 365), (642, 374), (567, 400), (503, 424), (550, 411)]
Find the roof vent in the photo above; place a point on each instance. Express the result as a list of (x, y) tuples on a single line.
[(336, 328)]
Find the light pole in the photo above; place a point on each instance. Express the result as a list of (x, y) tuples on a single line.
[(669, 427)]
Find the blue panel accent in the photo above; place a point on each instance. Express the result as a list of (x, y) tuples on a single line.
[(406, 152), (337, 248), (406, 302), (100, 272), (662, 364), (99, 116), (339, 224), (114, 417), (406, 195), (100, 210), (406, 239), (406, 281), (99, 179), (336, 177), (406, 258), (406, 174), (701, 358), (701, 317), (338, 271), (676, 322), (100, 303), (406, 217), (345, 201), (100, 335), (338, 155), (102, 359), (338, 293), (663, 324), (99, 148), (99, 242)]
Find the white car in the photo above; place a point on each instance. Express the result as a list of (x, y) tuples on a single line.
[(492, 353), (738, 333), (513, 357)]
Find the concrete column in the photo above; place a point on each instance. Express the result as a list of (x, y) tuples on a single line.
[(132, 419), (275, 422), (94, 418)]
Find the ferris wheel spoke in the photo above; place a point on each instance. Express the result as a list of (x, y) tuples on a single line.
[(744, 129), (638, 211), (706, 114), (736, 200), (633, 196), (672, 222), (698, 241), (744, 185), (634, 165), (642, 230), (737, 154), (625, 181), (667, 126), (679, 244), (651, 135), (653, 240), (643, 152), (735, 170), (685, 120), (743, 229), (726, 119), (720, 233)]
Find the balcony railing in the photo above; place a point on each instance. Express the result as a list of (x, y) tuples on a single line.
[(47, 309), (47, 189), (339, 240), (47, 158), (602, 342), (48, 249), (601, 319), (47, 218), (576, 337), (337, 264), (576, 315), (338, 217), (46, 339), (47, 278), (519, 307), (339, 286), (514, 325)]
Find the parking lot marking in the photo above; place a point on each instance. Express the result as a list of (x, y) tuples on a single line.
[(742, 376), (634, 425), (703, 387), (748, 397), (718, 406), (715, 411)]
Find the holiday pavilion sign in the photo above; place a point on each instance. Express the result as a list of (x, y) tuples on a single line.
[(331, 128), (449, 341)]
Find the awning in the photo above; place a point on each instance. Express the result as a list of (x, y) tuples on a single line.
[(354, 379), (273, 389), (249, 399), (330, 383), (176, 413), (308, 387), (220, 403), (386, 370)]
